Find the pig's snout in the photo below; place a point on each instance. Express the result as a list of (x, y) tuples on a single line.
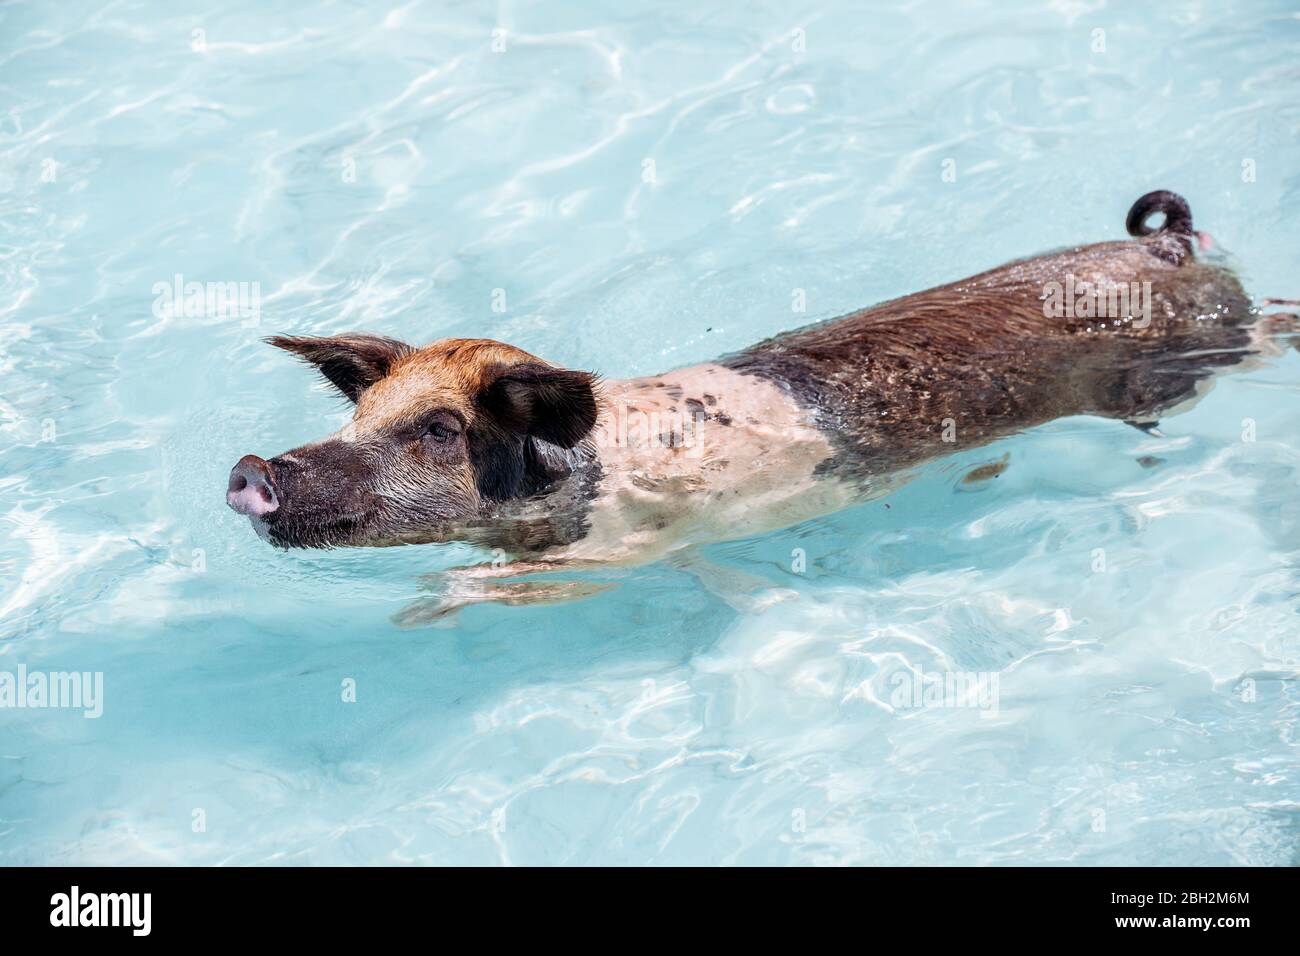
[(252, 488)]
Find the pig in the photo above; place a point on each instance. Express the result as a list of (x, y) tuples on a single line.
[(476, 440)]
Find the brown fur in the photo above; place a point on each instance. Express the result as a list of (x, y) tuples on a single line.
[(980, 354)]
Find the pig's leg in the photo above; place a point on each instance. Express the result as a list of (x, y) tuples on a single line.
[(439, 608), (482, 584), (493, 583), (745, 592), (494, 571), (1268, 338), (1271, 333)]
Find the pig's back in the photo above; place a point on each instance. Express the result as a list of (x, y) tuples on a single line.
[(978, 358)]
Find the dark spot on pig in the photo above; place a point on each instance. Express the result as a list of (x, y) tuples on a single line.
[(826, 467), (699, 413), (655, 522)]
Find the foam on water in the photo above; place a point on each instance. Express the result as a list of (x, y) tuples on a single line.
[(641, 186)]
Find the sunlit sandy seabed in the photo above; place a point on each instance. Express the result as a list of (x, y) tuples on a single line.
[(648, 186)]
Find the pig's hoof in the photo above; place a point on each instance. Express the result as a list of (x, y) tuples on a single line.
[(1151, 428), (977, 478)]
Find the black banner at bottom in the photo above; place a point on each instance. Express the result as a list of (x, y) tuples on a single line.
[(334, 906)]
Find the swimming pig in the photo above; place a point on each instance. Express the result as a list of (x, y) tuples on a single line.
[(471, 439)]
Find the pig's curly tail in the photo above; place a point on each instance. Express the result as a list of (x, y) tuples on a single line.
[(1178, 215)]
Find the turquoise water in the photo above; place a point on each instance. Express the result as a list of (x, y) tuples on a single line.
[(631, 187)]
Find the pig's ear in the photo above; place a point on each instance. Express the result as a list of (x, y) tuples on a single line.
[(553, 404), (351, 362)]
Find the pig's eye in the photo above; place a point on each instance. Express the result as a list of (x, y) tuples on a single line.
[(441, 432)]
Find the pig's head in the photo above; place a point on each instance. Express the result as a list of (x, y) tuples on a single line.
[(439, 435)]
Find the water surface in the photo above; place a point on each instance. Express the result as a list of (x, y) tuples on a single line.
[(629, 188)]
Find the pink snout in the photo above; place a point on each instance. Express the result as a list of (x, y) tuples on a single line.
[(252, 489)]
